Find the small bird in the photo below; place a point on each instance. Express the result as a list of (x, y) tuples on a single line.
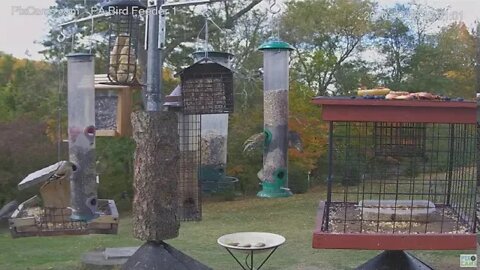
[(65, 168), (256, 141)]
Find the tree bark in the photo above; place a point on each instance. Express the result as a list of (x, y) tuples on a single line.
[(155, 176)]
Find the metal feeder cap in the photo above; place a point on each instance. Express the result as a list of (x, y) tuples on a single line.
[(119, 4), (275, 44)]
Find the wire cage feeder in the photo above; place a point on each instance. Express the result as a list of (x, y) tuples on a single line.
[(123, 39), (189, 186), (401, 176), (189, 132), (207, 88)]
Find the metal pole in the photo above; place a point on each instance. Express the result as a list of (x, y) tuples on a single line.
[(451, 150), (154, 63), (330, 173)]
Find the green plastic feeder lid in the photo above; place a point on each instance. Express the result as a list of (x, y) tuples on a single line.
[(275, 44)]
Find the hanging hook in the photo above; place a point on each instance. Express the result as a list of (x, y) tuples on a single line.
[(61, 37), (274, 7)]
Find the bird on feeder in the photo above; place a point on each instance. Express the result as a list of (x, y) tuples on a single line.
[(256, 141)]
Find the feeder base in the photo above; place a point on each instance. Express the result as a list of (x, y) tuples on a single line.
[(161, 256), (274, 190), (283, 193), (394, 260)]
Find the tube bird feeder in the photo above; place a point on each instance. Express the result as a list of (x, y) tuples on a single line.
[(81, 135), (274, 175)]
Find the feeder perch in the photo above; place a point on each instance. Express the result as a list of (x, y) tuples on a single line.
[(124, 32), (401, 176), (207, 88), (113, 107), (50, 214)]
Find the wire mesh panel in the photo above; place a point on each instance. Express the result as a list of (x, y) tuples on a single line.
[(190, 201), (399, 139), (401, 178), (207, 89), (106, 103)]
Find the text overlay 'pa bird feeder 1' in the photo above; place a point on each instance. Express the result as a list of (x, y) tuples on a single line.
[(207, 88), (123, 38), (274, 175)]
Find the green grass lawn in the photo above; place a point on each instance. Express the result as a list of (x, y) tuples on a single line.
[(293, 218)]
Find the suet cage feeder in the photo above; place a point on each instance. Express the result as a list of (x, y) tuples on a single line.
[(123, 38), (401, 176), (113, 107)]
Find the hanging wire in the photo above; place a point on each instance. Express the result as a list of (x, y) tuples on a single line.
[(72, 48), (92, 33), (61, 80), (206, 29), (275, 9)]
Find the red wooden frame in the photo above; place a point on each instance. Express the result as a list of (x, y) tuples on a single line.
[(412, 111), (369, 241)]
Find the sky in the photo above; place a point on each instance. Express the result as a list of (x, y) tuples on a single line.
[(24, 22)]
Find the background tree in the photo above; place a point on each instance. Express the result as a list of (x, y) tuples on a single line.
[(400, 32), (353, 75), (325, 34)]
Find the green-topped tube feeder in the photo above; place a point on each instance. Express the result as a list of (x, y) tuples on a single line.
[(274, 175)]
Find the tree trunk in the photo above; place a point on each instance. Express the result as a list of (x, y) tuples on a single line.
[(155, 176)]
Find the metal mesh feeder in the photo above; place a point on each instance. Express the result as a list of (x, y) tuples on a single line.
[(190, 204), (207, 88), (123, 38), (189, 132)]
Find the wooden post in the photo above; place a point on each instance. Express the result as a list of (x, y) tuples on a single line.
[(155, 176)]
